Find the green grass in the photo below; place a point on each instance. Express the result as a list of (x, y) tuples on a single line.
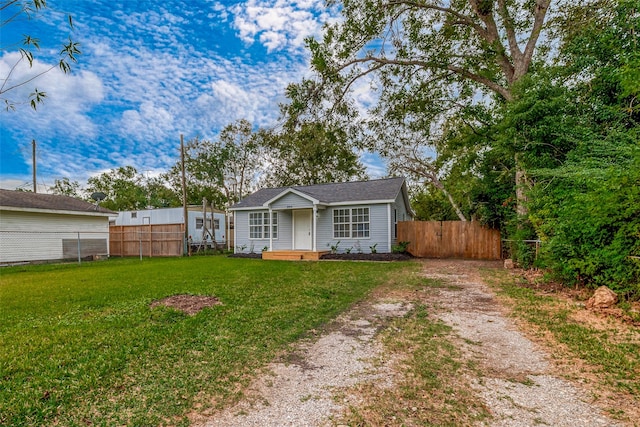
[(79, 345), (614, 356)]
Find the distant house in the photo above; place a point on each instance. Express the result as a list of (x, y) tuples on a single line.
[(215, 222), (47, 227), (349, 216)]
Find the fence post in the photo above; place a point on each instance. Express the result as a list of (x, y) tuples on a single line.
[(140, 243), (79, 257)]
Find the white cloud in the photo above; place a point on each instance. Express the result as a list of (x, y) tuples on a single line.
[(279, 24), (145, 78), (374, 165), (150, 122)]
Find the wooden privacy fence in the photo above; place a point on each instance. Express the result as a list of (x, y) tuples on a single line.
[(450, 239), (146, 240)]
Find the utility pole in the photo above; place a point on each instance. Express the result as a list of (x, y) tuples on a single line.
[(33, 159), (184, 197)]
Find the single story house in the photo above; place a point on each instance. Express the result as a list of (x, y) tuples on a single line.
[(215, 222), (48, 227), (350, 216)]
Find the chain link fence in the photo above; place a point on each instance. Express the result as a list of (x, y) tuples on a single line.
[(45, 246)]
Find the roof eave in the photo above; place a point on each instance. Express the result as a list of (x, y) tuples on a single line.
[(58, 211)]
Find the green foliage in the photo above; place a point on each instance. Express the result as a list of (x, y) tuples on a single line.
[(311, 153), (66, 187), (430, 204), (222, 171), (81, 345), (400, 247), (123, 187), (589, 219)]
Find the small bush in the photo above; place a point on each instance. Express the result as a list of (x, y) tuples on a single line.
[(400, 248)]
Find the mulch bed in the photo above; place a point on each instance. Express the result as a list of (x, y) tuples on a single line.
[(368, 257), (240, 255), (346, 257)]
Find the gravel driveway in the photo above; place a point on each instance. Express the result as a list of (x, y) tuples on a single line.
[(308, 386)]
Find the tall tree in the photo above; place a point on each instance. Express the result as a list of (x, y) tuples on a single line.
[(429, 59), (586, 207), (242, 164), (204, 173), (221, 171), (14, 11), (160, 195), (310, 154), (124, 189)]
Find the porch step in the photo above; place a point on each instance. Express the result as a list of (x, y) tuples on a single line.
[(293, 255)]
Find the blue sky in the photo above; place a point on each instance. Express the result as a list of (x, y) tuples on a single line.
[(150, 71)]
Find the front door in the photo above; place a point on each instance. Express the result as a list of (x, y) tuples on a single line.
[(302, 229)]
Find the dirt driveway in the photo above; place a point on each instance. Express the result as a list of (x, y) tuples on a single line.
[(312, 385)]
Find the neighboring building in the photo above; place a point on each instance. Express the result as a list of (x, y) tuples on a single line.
[(349, 215), (48, 227), (215, 222)]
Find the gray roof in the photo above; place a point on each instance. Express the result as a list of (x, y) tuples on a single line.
[(28, 200), (360, 191)]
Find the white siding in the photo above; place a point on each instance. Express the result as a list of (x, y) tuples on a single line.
[(292, 201), (31, 236), (285, 231), (173, 216), (402, 214), (283, 242), (378, 231), (196, 234), (379, 223)]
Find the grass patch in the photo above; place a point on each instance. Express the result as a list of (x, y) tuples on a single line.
[(432, 389), (612, 354), (80, 345)]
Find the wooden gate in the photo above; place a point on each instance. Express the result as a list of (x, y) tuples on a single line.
[(146, 240), (450, 239)]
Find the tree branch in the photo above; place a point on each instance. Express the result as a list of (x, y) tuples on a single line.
[(516, 54), (542, 6), (464, 19), (501, 90)]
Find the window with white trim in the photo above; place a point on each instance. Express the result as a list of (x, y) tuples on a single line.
[(199, 223), (351, 223), (259, 225)]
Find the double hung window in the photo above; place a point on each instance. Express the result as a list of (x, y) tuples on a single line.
[(351, 223), (260, 226)]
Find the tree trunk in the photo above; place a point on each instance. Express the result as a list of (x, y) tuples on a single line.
[(521, 188)]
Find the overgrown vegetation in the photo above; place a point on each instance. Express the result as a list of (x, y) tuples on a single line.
[(522, 115), (609, 351), (80, 345)]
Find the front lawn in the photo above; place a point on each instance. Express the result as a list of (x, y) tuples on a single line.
[(80, 345)]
